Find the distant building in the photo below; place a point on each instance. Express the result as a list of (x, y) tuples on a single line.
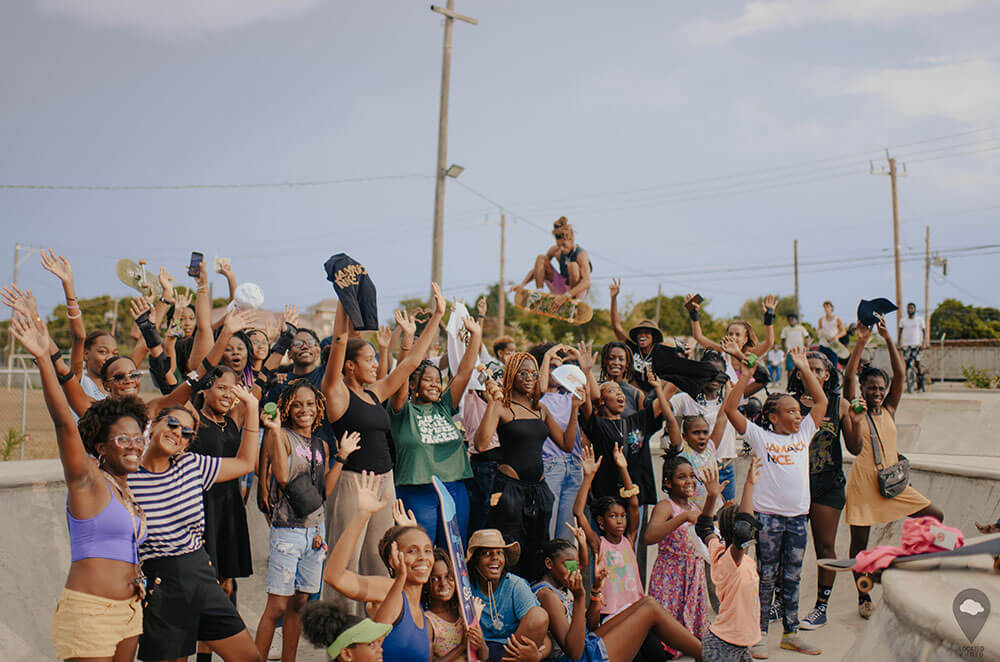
[(319, 316)]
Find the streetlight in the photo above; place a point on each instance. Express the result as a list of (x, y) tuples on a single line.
[(454, 170)]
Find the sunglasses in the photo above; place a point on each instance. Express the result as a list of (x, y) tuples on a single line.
[(186, 433), (123, 441), (119, 378), (298, 344)]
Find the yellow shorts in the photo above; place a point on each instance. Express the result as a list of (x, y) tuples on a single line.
[(86, 625)]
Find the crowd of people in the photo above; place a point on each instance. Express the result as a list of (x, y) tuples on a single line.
[(338, 440)]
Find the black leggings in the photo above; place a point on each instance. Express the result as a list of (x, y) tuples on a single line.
[(521, 511)]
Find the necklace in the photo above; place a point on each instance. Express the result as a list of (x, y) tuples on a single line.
[(222, 424)]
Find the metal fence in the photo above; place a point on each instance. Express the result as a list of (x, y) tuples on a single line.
[(21, 383)]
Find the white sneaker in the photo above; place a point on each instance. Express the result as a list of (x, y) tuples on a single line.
[(276, 644)]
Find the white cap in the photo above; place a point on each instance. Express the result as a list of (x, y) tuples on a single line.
[(248, 296), (570, 377)]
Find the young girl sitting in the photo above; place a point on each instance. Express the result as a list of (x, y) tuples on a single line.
[(441, 603), (735, 628), (781, 502), (562, 595), (678, 578), (614, 547)]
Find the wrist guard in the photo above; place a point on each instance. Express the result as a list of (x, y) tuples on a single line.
[(705, 526), (206, 381), (745, 528), (284, 341), (695, 315), (769, 317), (148, 330)]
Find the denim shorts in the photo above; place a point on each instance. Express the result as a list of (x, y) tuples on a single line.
[(293, 565)]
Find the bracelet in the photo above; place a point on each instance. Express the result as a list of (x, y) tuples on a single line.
[(251, 429), (750, 360), (596, 596), (68, 299), (341, 460), (202, 288), (72, 305), (166, 301), (73, 317), (629, 493), (695, 315)]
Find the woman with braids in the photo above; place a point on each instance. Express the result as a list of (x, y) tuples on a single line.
[(521, 501), (616, 366), (570, 279), (346, 637), (407, 554), (826, 474), (781, 500), (875, 424), (302, 478), (740, 332), (355, 403), (427, 440), (99, 615)]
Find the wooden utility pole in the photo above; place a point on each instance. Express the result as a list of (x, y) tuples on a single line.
[(795, 267), (659, 293), (28, 250), (893, 172), (927, 285), (437, 251), (502, 290)]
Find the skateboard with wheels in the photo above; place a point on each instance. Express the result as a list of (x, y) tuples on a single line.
[(986, 546), (463, 584), (138, 278), (573, 311)]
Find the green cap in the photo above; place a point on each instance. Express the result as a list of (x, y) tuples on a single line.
[(364, 632)]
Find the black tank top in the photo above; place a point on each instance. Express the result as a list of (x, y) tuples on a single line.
[(521, 446), (372, 422)]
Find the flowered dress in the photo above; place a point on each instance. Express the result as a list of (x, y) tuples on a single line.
[(678, 578), (447, 635)]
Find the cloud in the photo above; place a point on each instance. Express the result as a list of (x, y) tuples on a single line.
[(971, 607), (761, 16), (967, 90), (176, 18)]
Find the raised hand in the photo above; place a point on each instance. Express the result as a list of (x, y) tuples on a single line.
[(590, 466), (397, 562), (181, 301), (402, 516), (58, 266), (710, 477), (290, 316), (472, 326), (575, 585), (21, 301), (225, 268), (731, 347), (369, 486), (202, 278), (244, 395), (167, 283), (620, 460), (769, 303), (798, 355), (600, 573), (31, 333), (753, 475), (407, 324), (440, 303), (578, 533), (883, 331), (481, 306), (615, 287), (864, 333), (384, 337), (139, 305), (238, 320)]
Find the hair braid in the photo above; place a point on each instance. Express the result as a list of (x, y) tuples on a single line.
[(606, 356), (286, 397), (510, 371)]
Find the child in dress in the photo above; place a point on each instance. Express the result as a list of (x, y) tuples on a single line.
[(678, 578), (693, 440), (441, 602)]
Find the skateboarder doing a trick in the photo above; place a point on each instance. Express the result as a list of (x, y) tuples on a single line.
[(570, 278)]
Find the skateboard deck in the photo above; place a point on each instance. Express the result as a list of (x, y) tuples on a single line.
[(573, 311), (463, 584), (987, 546), (139, 278)]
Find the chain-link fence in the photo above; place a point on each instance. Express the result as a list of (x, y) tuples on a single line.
[(26, 431)]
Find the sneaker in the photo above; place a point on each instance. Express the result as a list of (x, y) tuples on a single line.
[(816, 618), (866, 609), (791, 641), (777, 612), (276, 643), (759, 650)]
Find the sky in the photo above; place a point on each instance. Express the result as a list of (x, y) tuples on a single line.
[(688, 144)]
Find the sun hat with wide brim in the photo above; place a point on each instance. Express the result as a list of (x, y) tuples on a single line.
[(646, 325), (493, 539), (364, 632)]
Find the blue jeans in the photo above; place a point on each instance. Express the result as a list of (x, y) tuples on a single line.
[(563, 475), (480, 489), (423, 501), (774, 372), (728, 472), (781, 544)]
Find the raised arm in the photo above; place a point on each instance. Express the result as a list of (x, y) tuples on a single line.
[(694, 312), (203, 314), (898, 371), (349, 583), (760, 349), (664, 391), (385, 337), (546, 367), (731, 403), (384, 388), (815, 389), (746, 501), (226, 269), (60, 267), (590, 467), (392, 605), (349, 442), (864, 334), (461, 378), (488, 425), (616, 320), (246, 457), (408, 329), (632, 525), (565, 438)]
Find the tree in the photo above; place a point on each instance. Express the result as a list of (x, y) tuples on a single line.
[(957, 320)]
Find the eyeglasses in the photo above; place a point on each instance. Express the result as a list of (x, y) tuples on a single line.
[(123, 441), (298, 344), (525, 374), (119, 378), (174, 424)]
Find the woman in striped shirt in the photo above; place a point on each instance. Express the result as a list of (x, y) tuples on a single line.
[(185, 604)]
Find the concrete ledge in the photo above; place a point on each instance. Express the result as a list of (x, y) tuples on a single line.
[(968, 466), (30, 473)]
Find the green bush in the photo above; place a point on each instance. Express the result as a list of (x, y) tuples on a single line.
[(976, 378)]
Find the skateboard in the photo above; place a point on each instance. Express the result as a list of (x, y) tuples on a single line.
[(138, 278), (573, 311), (463, 585), (988, 546)]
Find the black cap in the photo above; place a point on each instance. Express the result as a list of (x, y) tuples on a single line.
[(872, 312)]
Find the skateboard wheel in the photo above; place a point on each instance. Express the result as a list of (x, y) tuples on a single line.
[(865, 584)]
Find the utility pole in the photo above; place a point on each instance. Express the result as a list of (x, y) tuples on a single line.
[(17, 262), (659, 293), (893, 172), (437, 251), (501, 289), (795, 267), (927, 284)]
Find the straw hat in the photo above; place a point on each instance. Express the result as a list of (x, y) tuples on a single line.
[(492, 539), (646, 325)]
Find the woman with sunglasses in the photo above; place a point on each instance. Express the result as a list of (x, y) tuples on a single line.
[(185, 603), (572, 278), (99, 615)]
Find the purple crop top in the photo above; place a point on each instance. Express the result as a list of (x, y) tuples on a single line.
[(108, 535)]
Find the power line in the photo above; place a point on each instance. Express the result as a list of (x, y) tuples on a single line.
[(185, 187)]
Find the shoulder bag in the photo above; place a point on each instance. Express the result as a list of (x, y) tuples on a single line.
[(891, 480)]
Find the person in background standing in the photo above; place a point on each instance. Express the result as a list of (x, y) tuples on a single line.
[(793, 335)]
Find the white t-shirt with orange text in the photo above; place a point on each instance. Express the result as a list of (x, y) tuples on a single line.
[(783, 486)]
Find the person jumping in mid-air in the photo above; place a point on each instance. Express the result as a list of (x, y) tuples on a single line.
[(570, 279)]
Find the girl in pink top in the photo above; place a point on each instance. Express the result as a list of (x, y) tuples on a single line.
[(614, 548)]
